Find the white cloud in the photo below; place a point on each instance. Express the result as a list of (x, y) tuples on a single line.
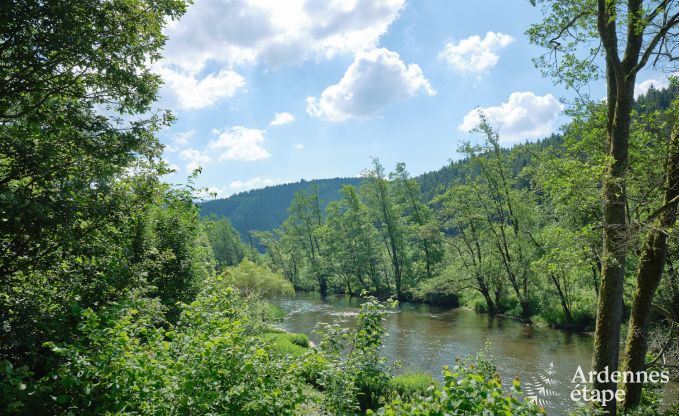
[(241, 143), (282, 118), (299, 146), (276, 32), (192, 93), (643, 87), (374, 80), (195, 158), (524, 116), (252, 183), (475, 55), (182, 138)]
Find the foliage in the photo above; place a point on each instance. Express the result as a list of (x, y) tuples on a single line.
[(250, 278), (468, 389), (361, 378), (265, 209), (208, 363), (410, 386), (225, 242), (286, 343)]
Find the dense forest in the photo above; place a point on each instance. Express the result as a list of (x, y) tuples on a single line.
[(515, 231), (119, 297), (265, 209)]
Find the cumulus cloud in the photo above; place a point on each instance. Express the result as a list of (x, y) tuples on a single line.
[(233, 32), (643, 87), (282, 118), (524, 116), (182, 138), (374, 80), (240, 143), (299, 146), (475, 55), (195, 158), (252, 183), (190, 92)]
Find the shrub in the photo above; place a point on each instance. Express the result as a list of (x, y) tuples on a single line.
[(285, 343), (411, 385), (250, 278), (359, 380), (208, 363), (472, 388)]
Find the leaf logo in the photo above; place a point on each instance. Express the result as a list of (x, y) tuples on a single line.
[(540, 387)]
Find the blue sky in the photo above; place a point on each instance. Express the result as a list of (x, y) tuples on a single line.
[(273, 91)]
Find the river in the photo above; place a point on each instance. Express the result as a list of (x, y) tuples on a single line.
[(424, 338)]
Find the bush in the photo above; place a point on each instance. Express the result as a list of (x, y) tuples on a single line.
[(208, 363), (411, 385), (250, 278), (267, 312), (285, 343), (359, 380), (472, 388)]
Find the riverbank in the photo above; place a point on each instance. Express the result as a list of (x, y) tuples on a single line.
[(424, 338)]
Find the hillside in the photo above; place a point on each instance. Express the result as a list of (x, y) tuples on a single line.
[(266, 208)]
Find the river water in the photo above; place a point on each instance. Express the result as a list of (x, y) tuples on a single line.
[(424, 338)]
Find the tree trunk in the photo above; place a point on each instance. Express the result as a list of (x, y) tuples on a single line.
[(650, 272), (609, 308), (483, 288), (562, 298), (322, 286)]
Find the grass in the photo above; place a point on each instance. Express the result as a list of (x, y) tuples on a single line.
[(286, 343), (411, 385)]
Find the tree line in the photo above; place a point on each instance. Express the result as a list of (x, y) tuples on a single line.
[(518, 231)]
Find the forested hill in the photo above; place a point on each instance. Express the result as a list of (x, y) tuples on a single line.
[(265, 209)]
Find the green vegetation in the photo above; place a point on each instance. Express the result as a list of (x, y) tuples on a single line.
[(250, 278), (410, 386), (265, 209), (469, 389), (287, 344), (117, 297)]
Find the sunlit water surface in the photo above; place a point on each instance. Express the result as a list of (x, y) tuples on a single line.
[(424, 338)]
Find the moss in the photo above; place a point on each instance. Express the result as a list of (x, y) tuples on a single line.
[(411, 385)]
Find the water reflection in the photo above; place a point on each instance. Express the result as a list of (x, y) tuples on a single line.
[(424, 338)]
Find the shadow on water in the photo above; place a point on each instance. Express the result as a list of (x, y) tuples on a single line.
[(424, 338)]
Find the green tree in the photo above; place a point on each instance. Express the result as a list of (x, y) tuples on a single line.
[(225, 241), (353, 245), (423, 230), (78, 161), (385, 215), (506, 211), (646, 37)]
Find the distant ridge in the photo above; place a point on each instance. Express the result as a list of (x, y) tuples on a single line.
[(265, 209)]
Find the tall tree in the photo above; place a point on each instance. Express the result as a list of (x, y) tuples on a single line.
[(424, 231), (652, 260), (503, 206), (646, 29), (70, 72), (381, 203)]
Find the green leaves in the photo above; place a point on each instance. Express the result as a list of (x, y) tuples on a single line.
[(471, 388)]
